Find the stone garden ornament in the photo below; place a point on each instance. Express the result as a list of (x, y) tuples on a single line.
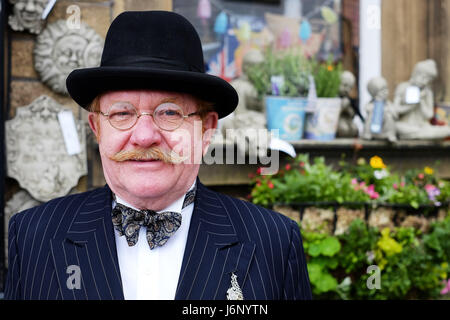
[(346, 126), (247, 119), (61, 48), (381, 113), (37, 150), (27, 15), (414, 102)]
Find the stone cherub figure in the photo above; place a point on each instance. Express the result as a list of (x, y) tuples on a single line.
[(346, 126), (248, 114), (380, 123), (414, 102)]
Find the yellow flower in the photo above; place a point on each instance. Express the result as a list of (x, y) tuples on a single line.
[(388, 244), (377, 163), (428, 170), (382, 263)]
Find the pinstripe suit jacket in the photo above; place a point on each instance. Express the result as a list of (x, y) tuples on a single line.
[(263, 248)]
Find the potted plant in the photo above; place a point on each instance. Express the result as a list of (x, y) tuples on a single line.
[(282, 81), (322, 123)]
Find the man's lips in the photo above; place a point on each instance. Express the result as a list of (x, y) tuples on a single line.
[(143, 160)]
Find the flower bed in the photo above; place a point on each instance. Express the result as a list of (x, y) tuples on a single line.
[(360, 215), (412, 264)]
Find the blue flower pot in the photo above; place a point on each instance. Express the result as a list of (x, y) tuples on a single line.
[(287, 114)]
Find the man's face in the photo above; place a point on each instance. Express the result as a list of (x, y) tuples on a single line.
[(139, 182)]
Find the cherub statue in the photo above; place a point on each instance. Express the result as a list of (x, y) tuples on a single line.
[(414, 102), (248, 113), (346, 126), (381, 114)]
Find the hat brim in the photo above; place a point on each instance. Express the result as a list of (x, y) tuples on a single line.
[(84, 85)]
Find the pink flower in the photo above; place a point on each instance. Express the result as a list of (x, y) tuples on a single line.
[(402, 184), (288, 167), (370, 190), (421, 175), (270, 184), (354, 181), (395, 186), (432, 192), (374, 195), (446, 288)]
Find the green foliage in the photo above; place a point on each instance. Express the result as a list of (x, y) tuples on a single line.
[(321, 250), (264, 193), (291, 64), (409, 194), (373, 182), (327, 77), (357, 244), (413, 266), (438, 241), (295, 69)]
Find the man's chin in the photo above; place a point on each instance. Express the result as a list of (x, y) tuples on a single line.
[(145, 188)]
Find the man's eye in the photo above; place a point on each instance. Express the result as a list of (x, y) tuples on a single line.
[(121, 114), (169, 113)]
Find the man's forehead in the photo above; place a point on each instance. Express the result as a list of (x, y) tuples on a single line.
[(147, 96)]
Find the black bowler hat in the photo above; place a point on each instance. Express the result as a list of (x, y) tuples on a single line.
[(156, 50)]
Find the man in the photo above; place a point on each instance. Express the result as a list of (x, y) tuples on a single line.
[(154, 231)]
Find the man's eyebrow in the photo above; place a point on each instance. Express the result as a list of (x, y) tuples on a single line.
[(165, 100), (169, 99)]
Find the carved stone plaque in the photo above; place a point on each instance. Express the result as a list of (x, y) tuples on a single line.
[(27, 15), (36, 151), (61, 48)]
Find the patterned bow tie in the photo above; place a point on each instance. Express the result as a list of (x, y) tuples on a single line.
[(160, 225)]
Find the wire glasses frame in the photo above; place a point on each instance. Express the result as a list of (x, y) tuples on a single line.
[(167, 116)]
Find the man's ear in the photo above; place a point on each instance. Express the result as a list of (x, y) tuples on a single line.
[(94, 124), (209, 127)]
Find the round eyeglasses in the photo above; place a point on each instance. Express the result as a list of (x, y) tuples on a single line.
[(167, 116)]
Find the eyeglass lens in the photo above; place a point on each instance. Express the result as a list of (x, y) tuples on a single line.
[(167, 116)]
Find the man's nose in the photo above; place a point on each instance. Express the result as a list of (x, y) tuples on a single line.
[(145, 132)]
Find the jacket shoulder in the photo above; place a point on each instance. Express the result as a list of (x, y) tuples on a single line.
[(57, 213)]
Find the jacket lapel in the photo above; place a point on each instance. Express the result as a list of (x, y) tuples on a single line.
[(85, 258), (213, 251)]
